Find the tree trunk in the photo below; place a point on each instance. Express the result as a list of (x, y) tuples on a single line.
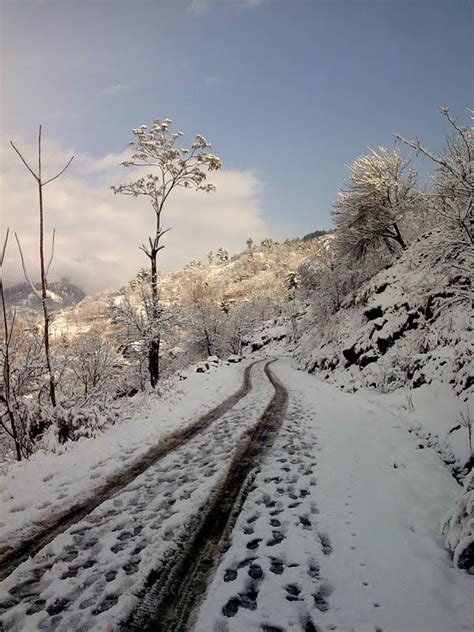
[(399, 238), (44, 288), (208, 343), (154, 345), (154, 361)]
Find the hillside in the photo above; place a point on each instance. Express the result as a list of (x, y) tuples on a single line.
[(62, 295), (260, 273), (404, 327)]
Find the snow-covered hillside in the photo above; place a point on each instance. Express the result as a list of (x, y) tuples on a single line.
[(405, 327)]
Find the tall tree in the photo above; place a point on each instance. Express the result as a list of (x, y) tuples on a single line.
[(172, 167), (44, 267)]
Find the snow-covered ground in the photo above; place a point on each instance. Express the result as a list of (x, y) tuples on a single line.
[(341, 531), (49, 483), (89, 576)]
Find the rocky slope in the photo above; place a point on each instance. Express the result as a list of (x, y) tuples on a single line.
[(405, 327)]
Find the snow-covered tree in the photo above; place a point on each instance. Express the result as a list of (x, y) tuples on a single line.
[(202, 315), (267, 244), (371, 208), (139, 321), (222, 256), (93, 362), (171, 167), (452, 196), (242, 318)]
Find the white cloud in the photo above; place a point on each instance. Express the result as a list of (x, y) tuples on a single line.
[(115, 88), (98, 234)]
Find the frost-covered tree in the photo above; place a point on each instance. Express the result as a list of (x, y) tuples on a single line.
[(242, 318), (201, 311), (222, 256), (93, 362), (371, 208), (172, 167), (452, 195), (139, 321), (268, 244)]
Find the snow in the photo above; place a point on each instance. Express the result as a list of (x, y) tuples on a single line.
[(340, 529), (47, 483), (357, 535), (430, 412), (89, 576), (400, 328)]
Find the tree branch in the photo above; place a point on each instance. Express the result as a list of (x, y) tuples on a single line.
[(24, 162), (35, 291), (58, 174), (52, 253)]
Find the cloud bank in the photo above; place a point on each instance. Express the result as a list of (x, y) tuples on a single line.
[(98, 234)]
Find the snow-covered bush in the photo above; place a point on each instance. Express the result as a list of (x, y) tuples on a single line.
[(458, 527), (60, 425)]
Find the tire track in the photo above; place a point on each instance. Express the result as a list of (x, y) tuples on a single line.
[(176, 589), (14, 556)]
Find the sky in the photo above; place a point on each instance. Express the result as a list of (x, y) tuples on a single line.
[(289, 93)]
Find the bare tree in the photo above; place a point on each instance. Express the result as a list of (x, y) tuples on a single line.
[(5, 395), (368, 212), (44, 267), (93, 363), (173, 167)]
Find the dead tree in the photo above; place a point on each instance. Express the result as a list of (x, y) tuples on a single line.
[(44, 268)]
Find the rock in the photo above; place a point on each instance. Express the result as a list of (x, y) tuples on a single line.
[(380, 288), (350, 354), (372, 313), (234, 358), (202, 367), (367, 358), (378, 323)]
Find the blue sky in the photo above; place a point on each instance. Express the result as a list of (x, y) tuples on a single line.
[(289, 91)]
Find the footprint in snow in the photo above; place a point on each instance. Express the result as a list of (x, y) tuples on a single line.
[(325, 543)]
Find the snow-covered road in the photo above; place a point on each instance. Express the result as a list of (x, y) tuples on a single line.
[(88, 578), (338, 530), (342, 529)]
